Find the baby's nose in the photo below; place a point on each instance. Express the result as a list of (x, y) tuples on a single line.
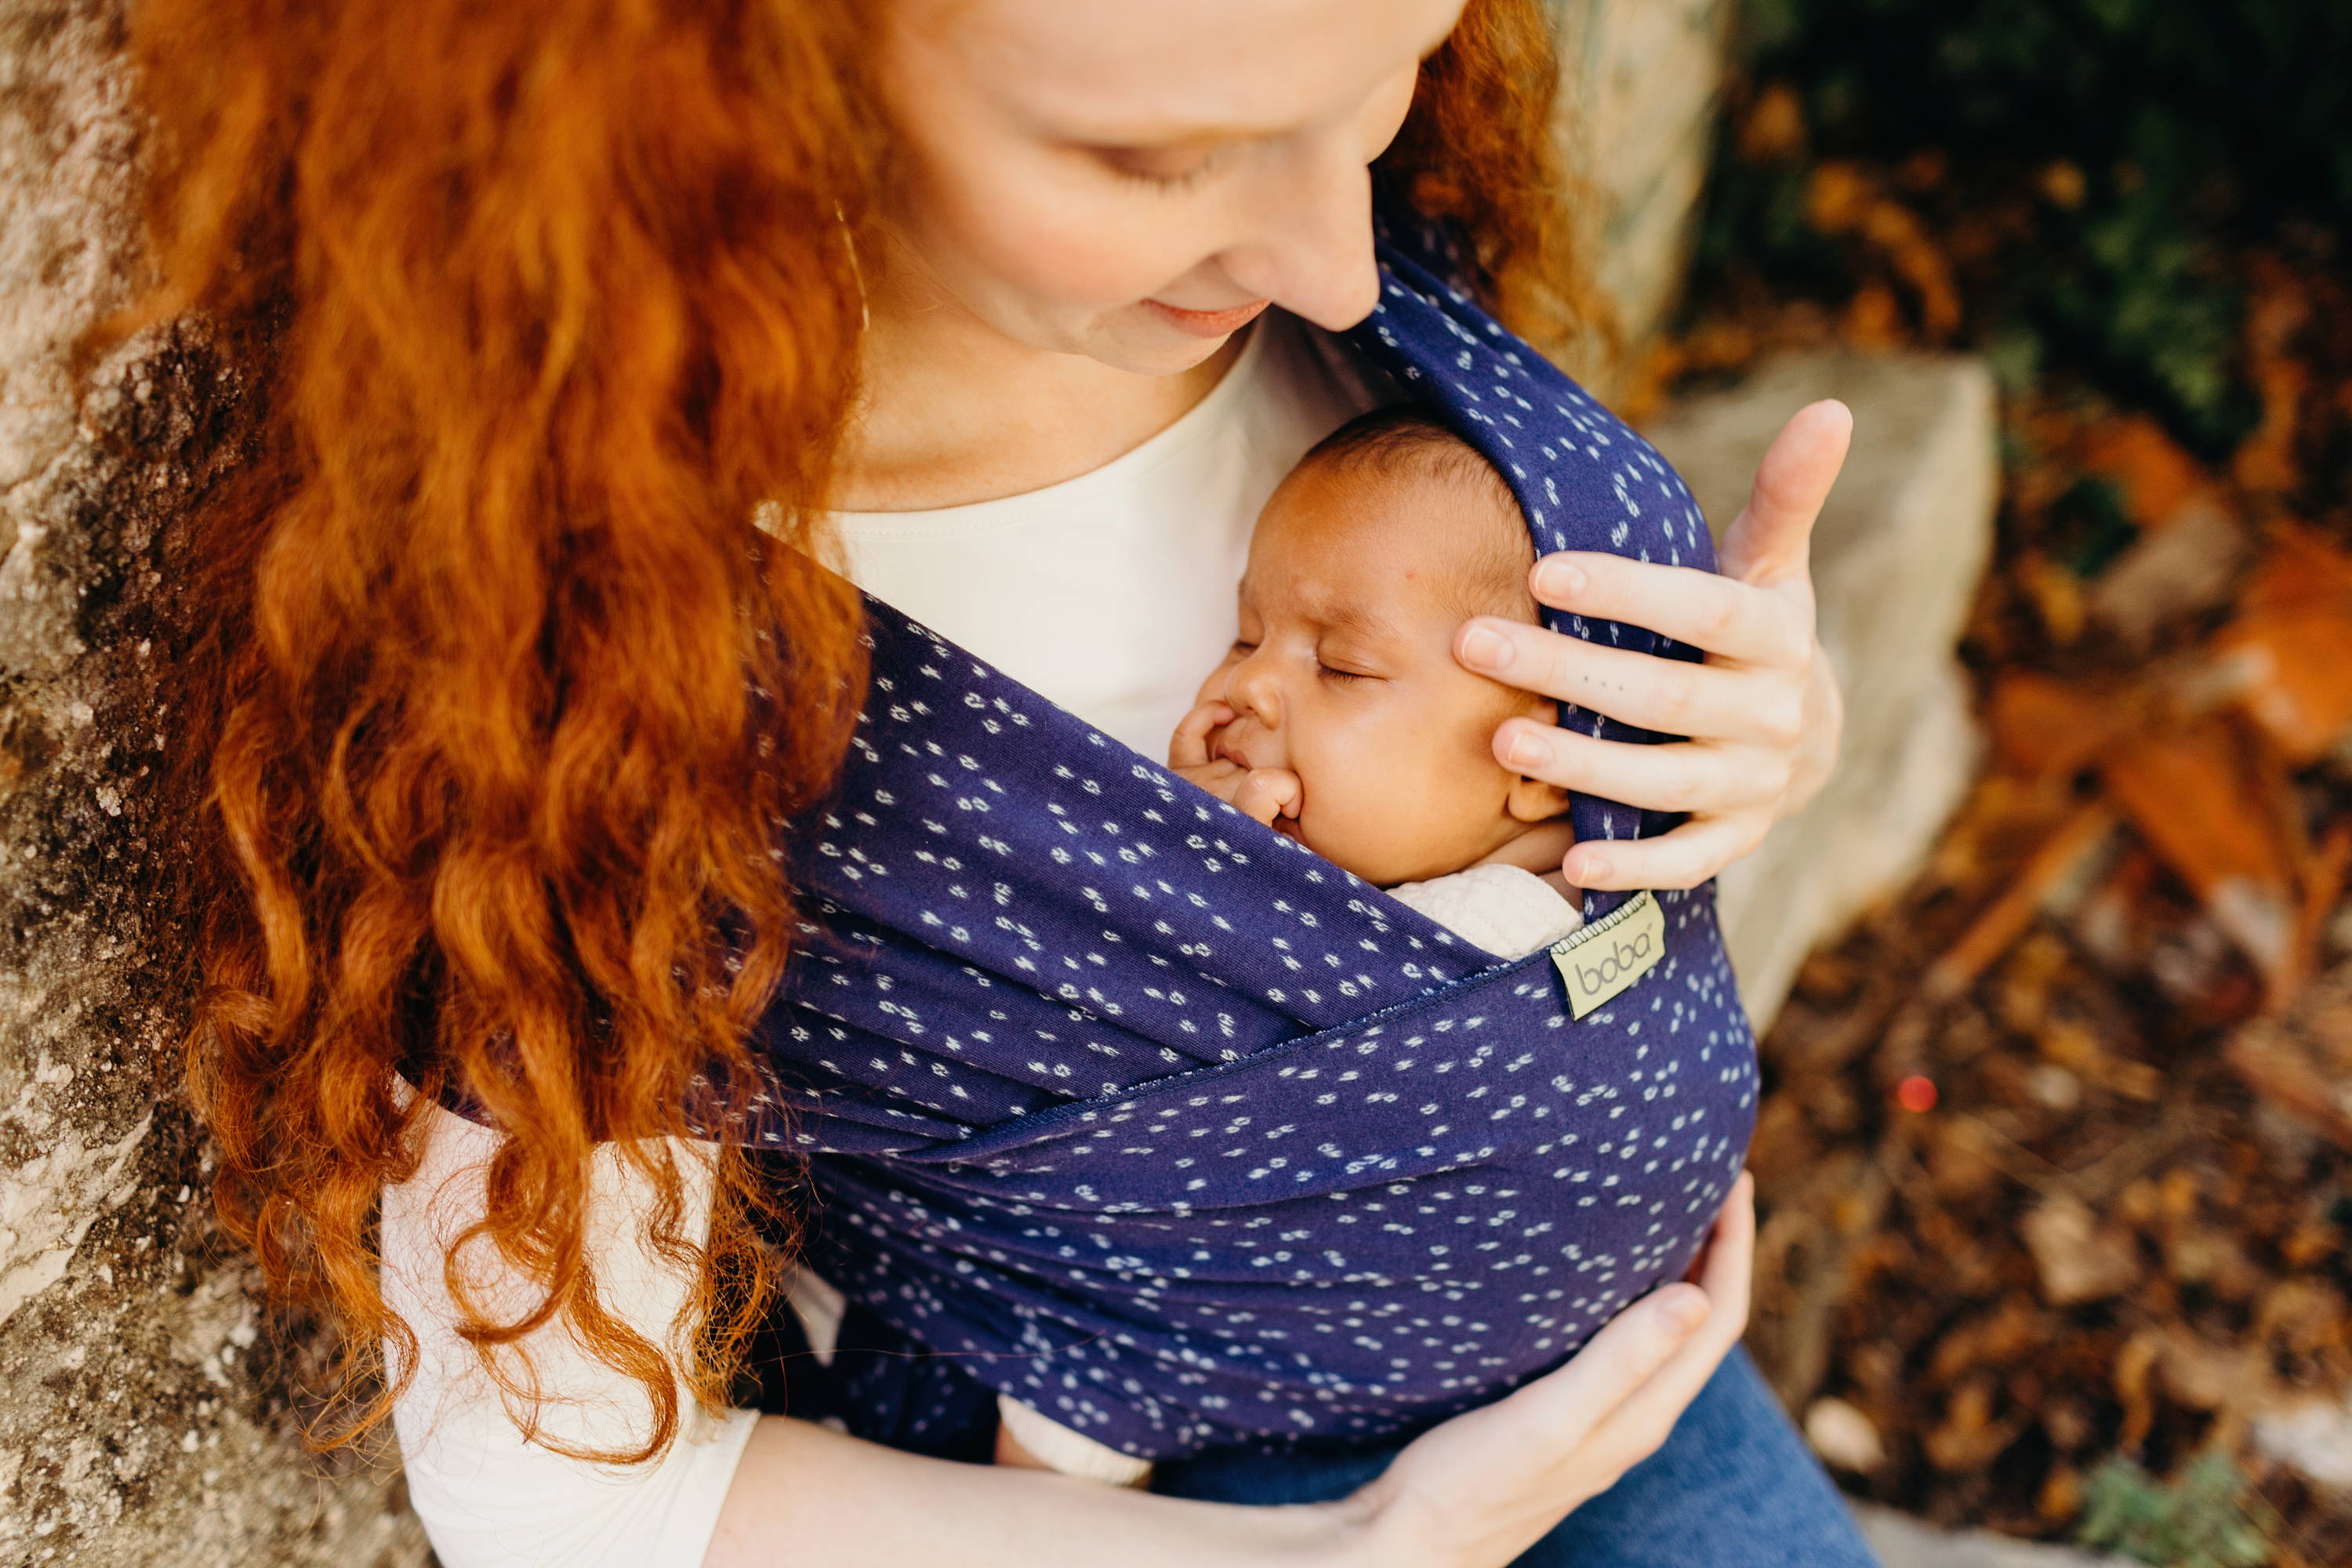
[(1253, 689)]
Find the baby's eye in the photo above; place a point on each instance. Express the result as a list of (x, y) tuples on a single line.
[(1243, 647), (1331, 672)]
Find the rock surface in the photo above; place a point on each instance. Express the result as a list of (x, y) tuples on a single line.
[(1637, 113), (1896, 558), (1902, 1541), (147, 1418)]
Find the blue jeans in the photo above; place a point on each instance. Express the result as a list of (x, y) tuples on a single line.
[(1734, 1487)]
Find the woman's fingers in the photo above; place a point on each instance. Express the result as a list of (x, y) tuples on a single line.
[(1482, 1487), (1643, 1420), (1674, 776), (1727, 617), (1770, 541), (1682, 858), (1716, 702)]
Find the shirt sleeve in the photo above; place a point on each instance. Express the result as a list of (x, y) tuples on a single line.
[(489, 1496)]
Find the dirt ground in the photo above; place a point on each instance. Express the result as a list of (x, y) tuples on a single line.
[(2057, 1155)]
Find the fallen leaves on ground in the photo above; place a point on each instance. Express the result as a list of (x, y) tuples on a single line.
[(2096, 1281)]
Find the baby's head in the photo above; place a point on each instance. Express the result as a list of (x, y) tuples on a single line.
[(1366, 561)]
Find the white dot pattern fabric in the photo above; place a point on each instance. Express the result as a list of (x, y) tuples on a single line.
[(1148, 1117)]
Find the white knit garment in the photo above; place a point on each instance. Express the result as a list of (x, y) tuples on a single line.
[(1507, 911)]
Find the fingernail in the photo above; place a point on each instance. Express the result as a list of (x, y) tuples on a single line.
[(1486, 648), (1591, 869), (1559, 580), (1681, 1308), (1525, 751)]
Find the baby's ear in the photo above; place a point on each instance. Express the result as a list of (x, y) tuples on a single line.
[(1533, 800)]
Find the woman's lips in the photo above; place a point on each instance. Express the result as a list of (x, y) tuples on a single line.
[(1207, 323)]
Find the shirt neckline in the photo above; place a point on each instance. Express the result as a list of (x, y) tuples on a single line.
[(1172, 439)]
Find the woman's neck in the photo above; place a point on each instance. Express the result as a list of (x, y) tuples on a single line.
[(954, 412)]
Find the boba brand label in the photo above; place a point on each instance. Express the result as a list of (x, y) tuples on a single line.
[(1600, 961)]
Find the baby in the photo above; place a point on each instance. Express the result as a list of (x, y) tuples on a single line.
[(1341, 719)]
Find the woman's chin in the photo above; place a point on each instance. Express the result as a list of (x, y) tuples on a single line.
[(1136, 340)]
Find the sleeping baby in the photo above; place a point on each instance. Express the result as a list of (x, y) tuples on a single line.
[(1341, 720)]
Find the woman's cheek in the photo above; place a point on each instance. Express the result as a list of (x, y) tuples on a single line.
[(1068, 241)]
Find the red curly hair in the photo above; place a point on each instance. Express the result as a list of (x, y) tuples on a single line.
[(499, 693)]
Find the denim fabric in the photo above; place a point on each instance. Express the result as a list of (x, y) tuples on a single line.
[(1734, 1487)]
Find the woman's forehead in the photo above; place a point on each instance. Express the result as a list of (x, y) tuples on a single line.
[(1146, 71)]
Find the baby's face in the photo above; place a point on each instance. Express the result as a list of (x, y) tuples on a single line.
[(1344, 674)]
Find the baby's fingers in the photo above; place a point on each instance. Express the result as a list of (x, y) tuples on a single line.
[(1189, 747), (1268, 793)]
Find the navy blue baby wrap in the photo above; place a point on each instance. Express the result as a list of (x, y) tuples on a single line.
[(1118, 1102)]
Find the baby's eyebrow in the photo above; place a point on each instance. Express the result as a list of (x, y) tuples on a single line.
[(1361, 622)]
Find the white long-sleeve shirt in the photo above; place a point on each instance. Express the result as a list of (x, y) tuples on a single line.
[(1112, 594)]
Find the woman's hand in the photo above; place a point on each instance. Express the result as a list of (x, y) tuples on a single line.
[(1762, 713), (1479, 1490)]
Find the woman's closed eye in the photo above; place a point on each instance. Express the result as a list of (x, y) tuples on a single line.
[(1168, 168)]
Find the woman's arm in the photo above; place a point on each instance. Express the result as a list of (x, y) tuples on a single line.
[(1472, 1493), (490, 1497), (1762, 714), (747, 1491)]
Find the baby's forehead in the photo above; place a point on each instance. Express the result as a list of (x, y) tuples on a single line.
[(1359, 535)]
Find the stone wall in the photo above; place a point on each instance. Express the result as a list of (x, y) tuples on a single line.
[(147, 1414)]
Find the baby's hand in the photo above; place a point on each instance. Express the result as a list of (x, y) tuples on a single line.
[(1266, 794)]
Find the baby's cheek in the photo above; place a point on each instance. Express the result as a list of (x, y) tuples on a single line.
[(1357, 798)]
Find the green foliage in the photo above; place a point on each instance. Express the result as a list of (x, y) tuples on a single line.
[(2192, 124), (2198, 1522)]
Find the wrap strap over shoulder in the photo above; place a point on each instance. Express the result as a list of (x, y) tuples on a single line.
[(1122, 1104)]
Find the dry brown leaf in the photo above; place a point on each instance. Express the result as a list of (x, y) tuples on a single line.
[(2043, 727), (2005, 919), (2300, 1061), (2183, 569), (2193, 795), (1775, 128), (2152, 476), (2077, 1259), (2130, 1377), (1837, 197), (1843, 1437)]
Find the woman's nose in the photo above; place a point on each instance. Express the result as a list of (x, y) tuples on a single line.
[(1312, 253)]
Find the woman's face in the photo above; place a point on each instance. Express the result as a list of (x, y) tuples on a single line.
[(1133, 180)]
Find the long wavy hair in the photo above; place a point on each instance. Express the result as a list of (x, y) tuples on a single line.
[(495, 692)]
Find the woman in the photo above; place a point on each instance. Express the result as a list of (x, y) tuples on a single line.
[(551, 300)]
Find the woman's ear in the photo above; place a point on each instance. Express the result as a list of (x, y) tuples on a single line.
[(1533, 800)]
